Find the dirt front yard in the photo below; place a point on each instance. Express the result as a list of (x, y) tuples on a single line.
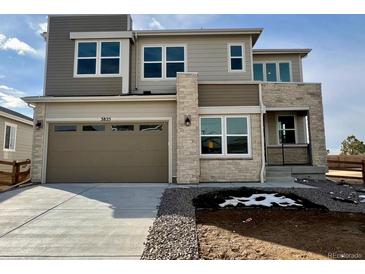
[(280, 234)]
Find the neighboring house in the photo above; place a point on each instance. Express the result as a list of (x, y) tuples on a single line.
[(17, 134), (172, 105)]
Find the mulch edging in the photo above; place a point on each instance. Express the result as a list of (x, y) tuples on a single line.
[(173, 234)]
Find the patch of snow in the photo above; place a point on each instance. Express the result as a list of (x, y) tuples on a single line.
[(362, 198), (263, 199), (247, 220)]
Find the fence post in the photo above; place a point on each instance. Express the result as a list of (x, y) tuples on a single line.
[(13, 173), (17, 173), (363, 170)]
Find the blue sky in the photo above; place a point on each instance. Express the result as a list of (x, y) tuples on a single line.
[(337, 59)]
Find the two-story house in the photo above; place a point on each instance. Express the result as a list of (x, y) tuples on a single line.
[(185, 106)]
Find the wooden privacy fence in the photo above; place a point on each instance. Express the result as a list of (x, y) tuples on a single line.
[(357, 165), (14, 172), (340, 161)]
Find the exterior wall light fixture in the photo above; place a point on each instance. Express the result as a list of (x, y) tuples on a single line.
[(38, 125), (187, 120)]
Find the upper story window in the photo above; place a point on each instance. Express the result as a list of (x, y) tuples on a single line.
[(236, 57), (163, 62), (10, 137), (97, 58), (272, 71)]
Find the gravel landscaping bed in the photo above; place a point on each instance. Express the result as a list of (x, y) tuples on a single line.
[(173, 234), (329, 190)]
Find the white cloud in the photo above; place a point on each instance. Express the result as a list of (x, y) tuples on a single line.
[(16, 45), (42, 27), (2, 38), (38, 28), (173, 21), (155, 24), (10, 97)]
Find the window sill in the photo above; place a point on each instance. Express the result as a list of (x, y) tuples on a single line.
[(274, 82), (99, 76), (225, 157), (158, 79), (9, 150), (237, 71)]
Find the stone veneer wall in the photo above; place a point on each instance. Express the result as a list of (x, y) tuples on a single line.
[(38, 143), (188, 166), (302, 95), (236, 170)]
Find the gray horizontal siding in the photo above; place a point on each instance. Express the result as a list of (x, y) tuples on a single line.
[(23, 141), (60, 61), (228, 95), (295, 59), (207, 55)]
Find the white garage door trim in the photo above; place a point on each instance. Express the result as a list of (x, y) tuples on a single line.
[(112, 119)]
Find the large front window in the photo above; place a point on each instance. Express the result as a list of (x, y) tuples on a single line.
[(211, 135), (97, 58), (225, 135), (286, 127), (237, 135), (272, 71), (163, 62)]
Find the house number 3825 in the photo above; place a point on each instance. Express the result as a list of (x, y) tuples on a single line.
[(105, 118)]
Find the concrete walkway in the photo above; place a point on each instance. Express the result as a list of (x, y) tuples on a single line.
[(77, 220)]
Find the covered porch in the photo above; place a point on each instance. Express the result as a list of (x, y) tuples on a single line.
[(287, 137)]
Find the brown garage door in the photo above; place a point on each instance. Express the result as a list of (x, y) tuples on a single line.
[(119, 152)]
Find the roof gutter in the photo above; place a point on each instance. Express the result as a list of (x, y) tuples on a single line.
[(86, 99), (198, 32)]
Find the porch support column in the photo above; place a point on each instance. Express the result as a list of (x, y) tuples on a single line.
[(187, 115), (39, 136)]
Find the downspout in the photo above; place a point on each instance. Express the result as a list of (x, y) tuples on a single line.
[(136, 65), (262, 111)]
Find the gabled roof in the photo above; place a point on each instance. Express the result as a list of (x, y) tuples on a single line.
[(301, 52), (8, 113), (255, 32)]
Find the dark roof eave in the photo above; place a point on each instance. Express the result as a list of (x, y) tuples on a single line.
[(14, 113)]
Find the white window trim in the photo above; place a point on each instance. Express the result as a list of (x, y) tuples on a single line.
[(278, 76), (14, 126), (242, 44), (163, 61), (212, 135), (278, 128), (224, 136), (98, 59), (153, 62)]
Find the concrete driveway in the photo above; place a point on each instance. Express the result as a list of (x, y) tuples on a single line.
[(77, 220)]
